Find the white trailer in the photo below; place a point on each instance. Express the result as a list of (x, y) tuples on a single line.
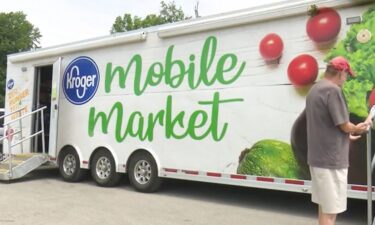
[(193, 100)]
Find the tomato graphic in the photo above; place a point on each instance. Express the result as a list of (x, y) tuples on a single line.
[(303, 70), (323, 25), (271, 47), (371, 100)]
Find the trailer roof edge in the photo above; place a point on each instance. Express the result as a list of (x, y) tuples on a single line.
[(235, 18)]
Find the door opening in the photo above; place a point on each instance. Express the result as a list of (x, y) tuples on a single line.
[(43, 88)]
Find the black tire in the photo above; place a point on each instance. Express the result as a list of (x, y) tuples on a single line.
[(143, 173), (69, 166), (103, 169)]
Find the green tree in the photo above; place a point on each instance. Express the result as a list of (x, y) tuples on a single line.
[(169, 13), (16, 35)]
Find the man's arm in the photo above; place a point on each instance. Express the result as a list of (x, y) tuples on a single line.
[(350, 128)]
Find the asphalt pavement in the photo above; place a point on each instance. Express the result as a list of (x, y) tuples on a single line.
[(44, 198)]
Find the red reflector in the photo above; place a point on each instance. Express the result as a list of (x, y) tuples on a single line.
[(52, 158), (360, 188), (265, 179), (298, 182), (191, 172), (213, 174), (170, 170), (85, 162), (235, 176)]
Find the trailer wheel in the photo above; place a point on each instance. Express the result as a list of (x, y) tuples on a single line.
[(69, 166), (103, 169), (143, 173)]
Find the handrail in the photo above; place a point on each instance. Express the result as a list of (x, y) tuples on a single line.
[(9, 114), (25, 115), (6, 136), (22, 139), (27, 138)]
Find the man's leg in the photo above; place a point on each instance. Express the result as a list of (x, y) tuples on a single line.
[(326, 219)]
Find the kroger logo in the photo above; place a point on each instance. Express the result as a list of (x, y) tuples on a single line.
[(81, 80), (10, 84)]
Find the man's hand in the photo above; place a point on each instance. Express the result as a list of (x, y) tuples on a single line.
[(351, 128), (362, 127), (354, 137)]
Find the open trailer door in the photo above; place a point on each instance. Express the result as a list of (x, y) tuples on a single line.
[(55, 89)]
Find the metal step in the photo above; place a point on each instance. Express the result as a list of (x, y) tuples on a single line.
[(21, 164)]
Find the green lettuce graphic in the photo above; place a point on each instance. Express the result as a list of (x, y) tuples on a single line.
[(362, 60), (271, 158)]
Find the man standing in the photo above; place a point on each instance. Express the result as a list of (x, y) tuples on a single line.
[(329, 132)]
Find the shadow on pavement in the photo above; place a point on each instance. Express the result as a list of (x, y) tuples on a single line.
[(277, 201)]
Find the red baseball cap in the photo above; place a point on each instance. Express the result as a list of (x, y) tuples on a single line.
[(342, 64)]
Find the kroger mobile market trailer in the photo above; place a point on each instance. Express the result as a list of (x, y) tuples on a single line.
[(214, 99)]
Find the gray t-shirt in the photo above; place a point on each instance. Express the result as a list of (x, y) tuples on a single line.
[(327, 144)]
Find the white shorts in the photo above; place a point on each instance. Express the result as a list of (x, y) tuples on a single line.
[(329, 189)]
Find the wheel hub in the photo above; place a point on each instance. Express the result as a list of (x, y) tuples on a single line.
[(69, 164), (103, 167), (142, 171)]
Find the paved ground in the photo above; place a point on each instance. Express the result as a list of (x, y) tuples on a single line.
[(43, 198)]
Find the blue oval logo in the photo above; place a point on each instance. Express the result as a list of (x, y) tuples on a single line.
[(81, 80), (10, 84)]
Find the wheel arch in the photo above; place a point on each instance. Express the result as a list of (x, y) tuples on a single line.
[(105, 148), (148, 151), (76, 171), (65, 148)]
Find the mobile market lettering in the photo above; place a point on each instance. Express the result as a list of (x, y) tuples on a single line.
[(199, 124), (143, 126), (157, 72)]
